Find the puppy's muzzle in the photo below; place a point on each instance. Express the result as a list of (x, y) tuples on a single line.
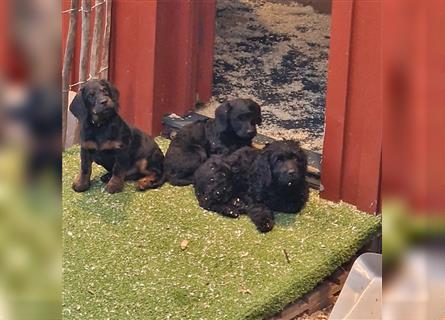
[(102, 109), (251, 133)]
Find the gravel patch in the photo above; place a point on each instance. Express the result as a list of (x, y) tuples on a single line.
[(276, 53)]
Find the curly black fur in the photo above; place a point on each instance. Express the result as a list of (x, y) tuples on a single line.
[(255, 182), (125, 152), (220, 181), (277, 177), (234, 127)]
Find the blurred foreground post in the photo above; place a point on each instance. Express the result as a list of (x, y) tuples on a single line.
[(67, 64)]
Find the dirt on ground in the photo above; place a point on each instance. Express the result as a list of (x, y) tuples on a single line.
[(318, 315), (276, 53)]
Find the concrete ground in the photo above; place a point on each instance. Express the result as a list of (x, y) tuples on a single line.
[(276, 53)]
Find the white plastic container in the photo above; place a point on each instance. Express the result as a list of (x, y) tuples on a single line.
[(361, 296)]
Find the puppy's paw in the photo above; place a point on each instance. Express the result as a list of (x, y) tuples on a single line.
[(239, 205), (146, 182), (105, 177), (81, 183), (262, 217), (115, 185), (265, 225), (230, 212)]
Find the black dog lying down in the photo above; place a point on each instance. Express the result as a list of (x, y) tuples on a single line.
[(255, 182), (222, 181), (126, 153), (234, 126)]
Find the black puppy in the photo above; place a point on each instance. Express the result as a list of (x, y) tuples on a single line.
[(277, 177), (234, 127), (105, 138), (255, 182), (221, 181), (277, 183), (222, 184)]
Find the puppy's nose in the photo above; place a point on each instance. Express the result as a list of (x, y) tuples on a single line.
[(103, 101)]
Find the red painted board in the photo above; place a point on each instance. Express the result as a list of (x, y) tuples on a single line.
[(132, 60), (351, 164), (336, 99), (362, 144)]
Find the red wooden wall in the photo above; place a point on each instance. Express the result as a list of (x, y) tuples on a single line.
[(12, 62), (414, 109), (386, 91), (157, 48), (351, 165)]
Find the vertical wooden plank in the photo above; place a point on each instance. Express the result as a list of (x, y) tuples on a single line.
[(65, 24), (12, 60), (417, 105), (363, 137), (336, 98), (193, 50), (132, 56), (398, 96), (176, 59), (5, 44), (370, 169), (414, 95), (205, 50), (436, 110), (351, 164)]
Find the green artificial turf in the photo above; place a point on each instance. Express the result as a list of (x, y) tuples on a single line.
[(123, 257)]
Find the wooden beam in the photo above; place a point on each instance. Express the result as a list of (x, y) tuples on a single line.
[(67, 64)]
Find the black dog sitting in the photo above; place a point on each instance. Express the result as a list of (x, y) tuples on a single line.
[(234, 126), (255, 182), (125, 152)]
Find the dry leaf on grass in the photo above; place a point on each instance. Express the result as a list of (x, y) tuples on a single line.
[(244, 291), (184, 244)]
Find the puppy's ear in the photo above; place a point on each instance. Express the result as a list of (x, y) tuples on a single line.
[(112, 90), (260, 174), (222, 113), (78, 108), (302, 160), (298, 154), (255, 108)]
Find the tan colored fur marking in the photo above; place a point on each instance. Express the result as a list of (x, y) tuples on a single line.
[(82, 182), (146, 182), (116, 184), (142, 165), (111, 145), (89, 145)]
